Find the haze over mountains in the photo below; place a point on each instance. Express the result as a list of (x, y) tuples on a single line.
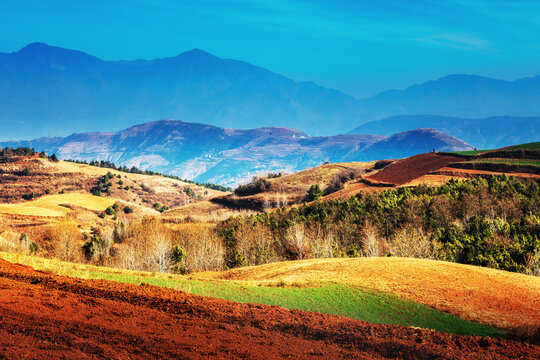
[(487, 133), (226, 156), (50, 91)]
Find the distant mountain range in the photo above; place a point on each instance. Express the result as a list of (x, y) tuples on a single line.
[(46, 90), (487, 133), (227, 156)]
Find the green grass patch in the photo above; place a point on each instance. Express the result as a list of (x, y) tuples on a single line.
[(528, 146), (336, 299), (468, 152), (508, 161)]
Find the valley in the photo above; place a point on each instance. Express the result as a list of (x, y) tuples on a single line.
[(172, 204)]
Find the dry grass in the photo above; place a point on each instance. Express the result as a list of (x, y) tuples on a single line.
[(298, 183), (202, 211), (321, 174), (50, 205), (65, 268), (491, 297), (433, 180), (159, 184)]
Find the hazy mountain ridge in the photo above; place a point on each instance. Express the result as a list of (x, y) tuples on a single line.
[(46, 90), (486, 133), (226, 156), (53, 90)]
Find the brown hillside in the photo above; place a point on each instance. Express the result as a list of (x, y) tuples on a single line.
[(291, 188), (59, 177), (408, 169), (58, 317)]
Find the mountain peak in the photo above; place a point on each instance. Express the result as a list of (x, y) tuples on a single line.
[(34, 47), (197, 54), (465, 78), (43, 51)]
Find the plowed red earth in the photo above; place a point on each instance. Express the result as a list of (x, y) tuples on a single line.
[(403, 171), (45, 316)]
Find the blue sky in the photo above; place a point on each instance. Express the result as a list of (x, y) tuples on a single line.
[(359, 47)]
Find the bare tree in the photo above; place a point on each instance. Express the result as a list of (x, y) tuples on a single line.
[(322, 242), (370, 244), (67, 241), (412, 242), (297, 243)]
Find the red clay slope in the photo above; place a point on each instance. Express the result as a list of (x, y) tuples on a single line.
[(406, 170), (46, 316)]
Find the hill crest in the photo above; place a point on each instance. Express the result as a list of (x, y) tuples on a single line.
[(207, 153)]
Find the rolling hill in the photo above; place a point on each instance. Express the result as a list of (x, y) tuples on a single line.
[(486, 133), (207, 153), (154, 322)]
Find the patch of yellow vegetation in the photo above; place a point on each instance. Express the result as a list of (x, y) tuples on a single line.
[(432, 180), (159, 184), (50, 205), (488, 296), (65, 268), (321, 175), (203, 211)]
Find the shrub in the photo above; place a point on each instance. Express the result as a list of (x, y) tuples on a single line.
[(25, 172), (120, 232), (33, 247), (274, 175), (128, 209), (381, 164), (179, 260), (314, 193), (256, 186), (339, 179), (235, 259), (29, 196)]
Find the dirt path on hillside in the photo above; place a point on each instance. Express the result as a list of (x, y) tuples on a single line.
[(46, 316)]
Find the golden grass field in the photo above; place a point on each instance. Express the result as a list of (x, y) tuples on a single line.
[(491, 297), (321, 175), (159, 184), (51, 205)]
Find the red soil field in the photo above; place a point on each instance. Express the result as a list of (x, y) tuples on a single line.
[(403, 171), (46, 316)]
